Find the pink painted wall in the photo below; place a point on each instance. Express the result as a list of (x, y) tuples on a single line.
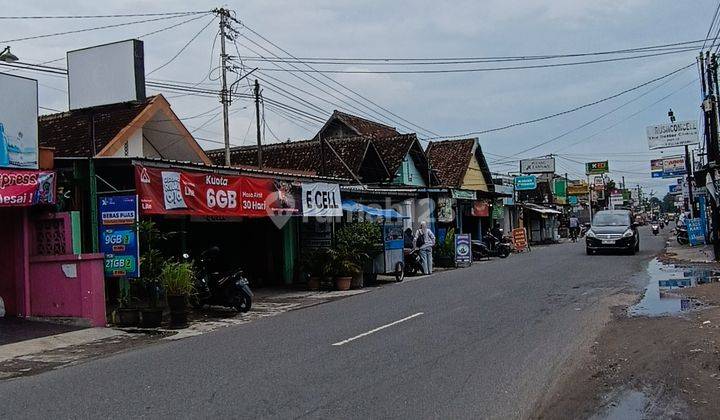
[(68, 286), (14, 261)]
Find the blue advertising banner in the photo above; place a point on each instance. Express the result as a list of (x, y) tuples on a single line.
[(696, 231), (118, 235), (573, 200), (674, 189), (527, 182), (463, 250)]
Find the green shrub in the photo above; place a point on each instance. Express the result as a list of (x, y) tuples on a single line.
[(177, 278)]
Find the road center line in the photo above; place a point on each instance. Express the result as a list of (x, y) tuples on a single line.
[(374, 330)]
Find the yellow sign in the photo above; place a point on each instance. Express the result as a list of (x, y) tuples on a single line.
[(577, 189)]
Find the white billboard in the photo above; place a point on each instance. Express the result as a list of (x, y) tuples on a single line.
[(106, 74), (682, 133), (537, 166), (320, 199), (18, 122)]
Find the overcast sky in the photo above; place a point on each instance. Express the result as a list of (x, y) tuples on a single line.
[(442, 103)]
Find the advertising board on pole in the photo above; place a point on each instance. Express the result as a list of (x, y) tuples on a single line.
[(519, 239), (321, 199), (560, 190), (537, 166), (681, 133), (463, 250), (527, 182), (696, 231), (18, 122), (597, 168), (119, 235), (578, 189)]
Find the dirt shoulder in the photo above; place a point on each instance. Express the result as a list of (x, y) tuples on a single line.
[(648, 367)]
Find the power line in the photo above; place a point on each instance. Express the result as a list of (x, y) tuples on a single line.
[(104, 16), (712, 24), (183, 47), (568, 111), (420, 128), (96, 28), (488, 69)]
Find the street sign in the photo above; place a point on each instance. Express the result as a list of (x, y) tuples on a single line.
[(597, 168), (681, 133), (463, 254), (668, 167), (537, 166), (527, 182)]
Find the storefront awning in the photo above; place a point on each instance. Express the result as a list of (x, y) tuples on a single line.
[(540, 209), (354, 207)]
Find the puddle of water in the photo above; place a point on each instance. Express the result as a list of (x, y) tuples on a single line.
[(630, 405), (659, 300)]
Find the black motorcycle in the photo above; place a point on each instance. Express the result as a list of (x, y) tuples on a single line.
[(655, 228), (413, 261), (682, 235), (229, 289), (491, 247)]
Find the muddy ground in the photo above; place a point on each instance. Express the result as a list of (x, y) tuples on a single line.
[(648, 367)]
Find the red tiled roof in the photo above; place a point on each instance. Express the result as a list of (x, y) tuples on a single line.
[(449, 160), (305, 156), (70, 133), (362, 126)]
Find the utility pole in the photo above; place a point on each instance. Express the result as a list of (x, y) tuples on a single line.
[(257, 123), (224, 94), (708, 63), (688, 173)]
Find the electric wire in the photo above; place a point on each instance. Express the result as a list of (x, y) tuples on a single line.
[(105, 16), (187, 44)]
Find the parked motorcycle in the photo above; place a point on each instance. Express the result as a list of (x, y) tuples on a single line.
[(413, 262), (682, 235), (655, 228), (491, 247), (230, 289)]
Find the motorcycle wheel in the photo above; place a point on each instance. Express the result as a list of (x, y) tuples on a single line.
[(682, 240), (504, 253), (399, 272), (242, 303)]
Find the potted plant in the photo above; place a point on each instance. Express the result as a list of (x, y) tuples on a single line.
[(444, 251), (151, 263), (342, 267), (177, 278), (126, 315), (359, 243), (312, 264)]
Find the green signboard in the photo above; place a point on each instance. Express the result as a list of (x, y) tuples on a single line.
[(497, 211), (597, 168), (464, 194), (560, 191)]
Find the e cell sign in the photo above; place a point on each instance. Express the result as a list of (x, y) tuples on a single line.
[(320, 199)]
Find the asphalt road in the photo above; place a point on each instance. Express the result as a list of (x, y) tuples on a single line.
[(481, 342)]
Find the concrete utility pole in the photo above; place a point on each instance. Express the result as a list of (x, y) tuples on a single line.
[(224, 94), (688, 173), (257, 123)]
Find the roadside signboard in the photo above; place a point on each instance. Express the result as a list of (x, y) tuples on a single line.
[(597, 168), (616, 199), (180, 192), (463, 250), (598, 183), (519, 239), (444, 210), (320, 199), (696, 231), (463, 194), (26, 188), (573, 200), (537, 166), (681, 133), (578, 189), (656, 168), (526, 182), (668, 167), (560, 190), (18, 122), (480, 208), (674, 189), (119, 236)]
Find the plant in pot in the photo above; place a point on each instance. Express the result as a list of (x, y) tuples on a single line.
[(177, 278), (444, 251), (126, 315), (312, 263), (359, 242), (343, 268), (151, 263)]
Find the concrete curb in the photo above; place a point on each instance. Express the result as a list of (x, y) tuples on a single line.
[(43, 344)]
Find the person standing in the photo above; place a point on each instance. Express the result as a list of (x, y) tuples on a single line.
[(424, 241)]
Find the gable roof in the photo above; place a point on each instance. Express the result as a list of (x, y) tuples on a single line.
[(306, 156), (71, 133), (394, 149), (357, 125), (450, 160)]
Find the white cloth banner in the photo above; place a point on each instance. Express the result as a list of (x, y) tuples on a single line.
[(320, 199)]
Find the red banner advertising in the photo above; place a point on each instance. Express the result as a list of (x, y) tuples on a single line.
[(25, 188), (174, 191), (480, 208)]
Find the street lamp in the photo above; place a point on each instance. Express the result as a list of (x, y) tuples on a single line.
[(7, 56), (671, 115)]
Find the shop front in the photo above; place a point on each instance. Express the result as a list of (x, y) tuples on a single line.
[(541, 223), (42, 272)]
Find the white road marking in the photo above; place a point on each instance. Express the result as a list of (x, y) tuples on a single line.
[(374, 330)]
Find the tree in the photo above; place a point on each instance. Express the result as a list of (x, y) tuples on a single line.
[(668, 203)]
